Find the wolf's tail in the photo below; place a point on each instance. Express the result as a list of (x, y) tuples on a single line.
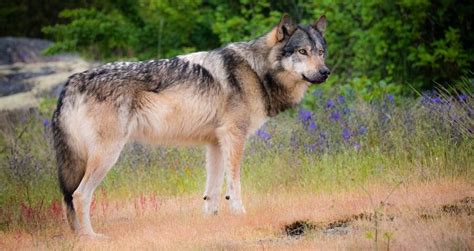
[(71, 166)]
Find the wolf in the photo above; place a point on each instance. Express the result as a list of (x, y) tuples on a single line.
[(218, 98)]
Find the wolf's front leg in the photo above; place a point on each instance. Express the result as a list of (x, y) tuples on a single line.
[(214, 180), (232, 146)]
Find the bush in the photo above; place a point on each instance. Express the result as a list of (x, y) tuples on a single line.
[(142, 30), (410, 43)]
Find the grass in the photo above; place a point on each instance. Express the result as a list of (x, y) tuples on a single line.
[(176, 222), (334, 158)]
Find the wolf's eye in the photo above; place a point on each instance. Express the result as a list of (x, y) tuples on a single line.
[(303, 51), (320, 52)]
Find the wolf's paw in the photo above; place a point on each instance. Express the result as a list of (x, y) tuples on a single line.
[(237, 208), (100, 237), (211, 212), (238, 211), (211, 207), (94, 236)]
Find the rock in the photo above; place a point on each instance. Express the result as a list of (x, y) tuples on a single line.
[(343, 230), (22, 50), (22, 85), (26, 75)]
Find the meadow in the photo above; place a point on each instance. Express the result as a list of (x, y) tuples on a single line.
[(339, 171)]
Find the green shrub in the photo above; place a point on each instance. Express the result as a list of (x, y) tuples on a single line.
[(409, 43)]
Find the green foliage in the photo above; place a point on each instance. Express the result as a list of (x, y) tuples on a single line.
[(95, 33), (408, 44), (47, 106), (249, 20), (369, 89), (147, 29), (26, 170), (170, 29), (398, 42), (25, 18)]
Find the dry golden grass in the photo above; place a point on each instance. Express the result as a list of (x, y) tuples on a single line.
[(412, 216)]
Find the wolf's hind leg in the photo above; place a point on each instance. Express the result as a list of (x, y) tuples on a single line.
[(214, 179), (98, 164)]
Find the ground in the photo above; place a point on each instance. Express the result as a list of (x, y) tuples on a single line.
[(426, 215)]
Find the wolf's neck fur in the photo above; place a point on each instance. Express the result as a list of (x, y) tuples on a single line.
[(280, 90), (257, 53)]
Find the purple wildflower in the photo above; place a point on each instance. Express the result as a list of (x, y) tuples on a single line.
[(357, 146), (262, 134), (391, 98), (310, 148), (425, 100), (330, 103), (346, 110), (312, 125), (436, 100), (462, 98), (46, 122), (346, 134), (427, 97), (335, 116), (341, 99), (362, 130), (304, 115)]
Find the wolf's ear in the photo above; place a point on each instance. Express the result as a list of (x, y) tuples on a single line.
[(321, 24), (286, 27)]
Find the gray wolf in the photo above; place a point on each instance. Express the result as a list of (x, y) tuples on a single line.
[(218, 98)]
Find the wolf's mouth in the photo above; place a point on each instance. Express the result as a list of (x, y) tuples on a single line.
[(315, 81)]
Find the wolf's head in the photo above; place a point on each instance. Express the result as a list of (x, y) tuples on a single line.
[(300, 49)]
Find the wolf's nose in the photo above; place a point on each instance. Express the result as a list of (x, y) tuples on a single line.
[(325, 71)]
